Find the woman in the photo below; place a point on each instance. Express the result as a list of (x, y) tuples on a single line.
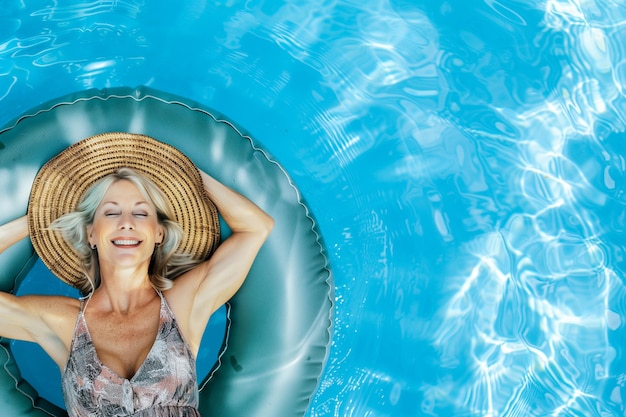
[(129, 347)]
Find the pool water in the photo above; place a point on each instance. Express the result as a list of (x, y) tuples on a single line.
[(464, 161)]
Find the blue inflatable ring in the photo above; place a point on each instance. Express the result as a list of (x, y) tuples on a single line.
[(280, 321)]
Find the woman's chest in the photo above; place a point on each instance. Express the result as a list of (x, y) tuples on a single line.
[(122, 344)]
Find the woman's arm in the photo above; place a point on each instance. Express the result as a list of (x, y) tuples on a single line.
[(14, 312), (45, 320), (215, 281), (228, 267), (12, 232)]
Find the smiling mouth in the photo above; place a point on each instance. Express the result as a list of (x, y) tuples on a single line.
[(126, 242)]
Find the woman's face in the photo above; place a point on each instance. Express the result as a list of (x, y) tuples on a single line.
[(125, 228)]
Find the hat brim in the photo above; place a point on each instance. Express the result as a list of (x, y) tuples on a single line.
[(62, 181)]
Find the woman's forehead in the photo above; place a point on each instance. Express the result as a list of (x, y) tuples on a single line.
[(124, 191)]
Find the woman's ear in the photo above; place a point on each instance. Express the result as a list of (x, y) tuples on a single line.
[(160, 235), (90, 234)]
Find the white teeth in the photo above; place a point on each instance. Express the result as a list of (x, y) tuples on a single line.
[(126, 242)]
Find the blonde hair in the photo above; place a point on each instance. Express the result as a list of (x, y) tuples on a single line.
[(166, 264)]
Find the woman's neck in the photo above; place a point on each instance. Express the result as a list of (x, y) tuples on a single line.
[(123, 294)]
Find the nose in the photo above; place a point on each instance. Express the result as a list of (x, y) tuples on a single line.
[(126, 222)]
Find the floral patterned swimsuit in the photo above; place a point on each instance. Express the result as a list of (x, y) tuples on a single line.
[(164, 386)]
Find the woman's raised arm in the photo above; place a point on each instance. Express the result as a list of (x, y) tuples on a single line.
[(39, 319), (227, 269), (12, 232), (215, 281)]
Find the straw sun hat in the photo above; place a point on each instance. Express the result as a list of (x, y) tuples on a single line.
[(62, 181)]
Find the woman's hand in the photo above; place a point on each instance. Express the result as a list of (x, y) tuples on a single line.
[(241, 214), (12, 232)]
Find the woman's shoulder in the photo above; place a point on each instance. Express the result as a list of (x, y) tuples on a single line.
[(59, 313)]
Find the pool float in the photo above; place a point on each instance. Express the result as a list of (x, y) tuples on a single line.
[(276, 330)]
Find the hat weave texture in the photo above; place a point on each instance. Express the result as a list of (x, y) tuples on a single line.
[(62, 181)]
